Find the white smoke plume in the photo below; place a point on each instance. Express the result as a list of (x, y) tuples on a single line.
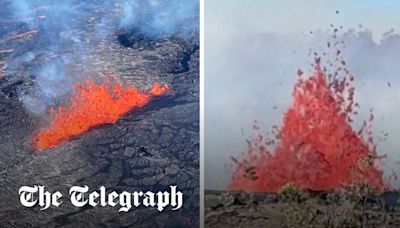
[(65, 34)]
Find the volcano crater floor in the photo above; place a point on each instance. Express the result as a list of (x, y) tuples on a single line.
[(149, 148)]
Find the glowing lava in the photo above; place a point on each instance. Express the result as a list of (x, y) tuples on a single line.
[(316, 148), (91, 105)]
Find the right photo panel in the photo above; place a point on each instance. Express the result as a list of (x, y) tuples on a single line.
[(302, 100)]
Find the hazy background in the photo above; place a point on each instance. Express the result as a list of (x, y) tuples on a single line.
[(254, 48)]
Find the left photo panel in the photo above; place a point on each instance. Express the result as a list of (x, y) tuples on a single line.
[(99, 113)]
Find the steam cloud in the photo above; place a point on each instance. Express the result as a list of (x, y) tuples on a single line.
[(162, 18), (67, 32), (53, 22)]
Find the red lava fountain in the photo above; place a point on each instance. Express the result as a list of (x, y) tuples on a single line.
[(316, 148), (91, 105)]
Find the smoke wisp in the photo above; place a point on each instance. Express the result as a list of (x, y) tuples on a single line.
[(162, 18), (55, 41)]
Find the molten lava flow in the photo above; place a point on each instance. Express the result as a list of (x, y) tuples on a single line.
[(316, 147), (92, 105)]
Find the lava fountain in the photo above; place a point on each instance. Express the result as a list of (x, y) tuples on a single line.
[(90, 105), (316, 147)]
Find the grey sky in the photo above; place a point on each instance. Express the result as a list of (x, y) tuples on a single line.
[(254, 48)]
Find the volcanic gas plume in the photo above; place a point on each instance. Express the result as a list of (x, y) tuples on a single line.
[(316, 147), (90, 105)]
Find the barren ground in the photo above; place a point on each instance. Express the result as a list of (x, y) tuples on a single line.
[(240, 209)]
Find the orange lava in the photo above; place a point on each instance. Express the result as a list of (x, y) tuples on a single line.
[(27, 34), (91, 105), (316, 148)]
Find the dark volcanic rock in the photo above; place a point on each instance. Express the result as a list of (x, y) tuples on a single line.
[(149, 148), (318, 209)]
